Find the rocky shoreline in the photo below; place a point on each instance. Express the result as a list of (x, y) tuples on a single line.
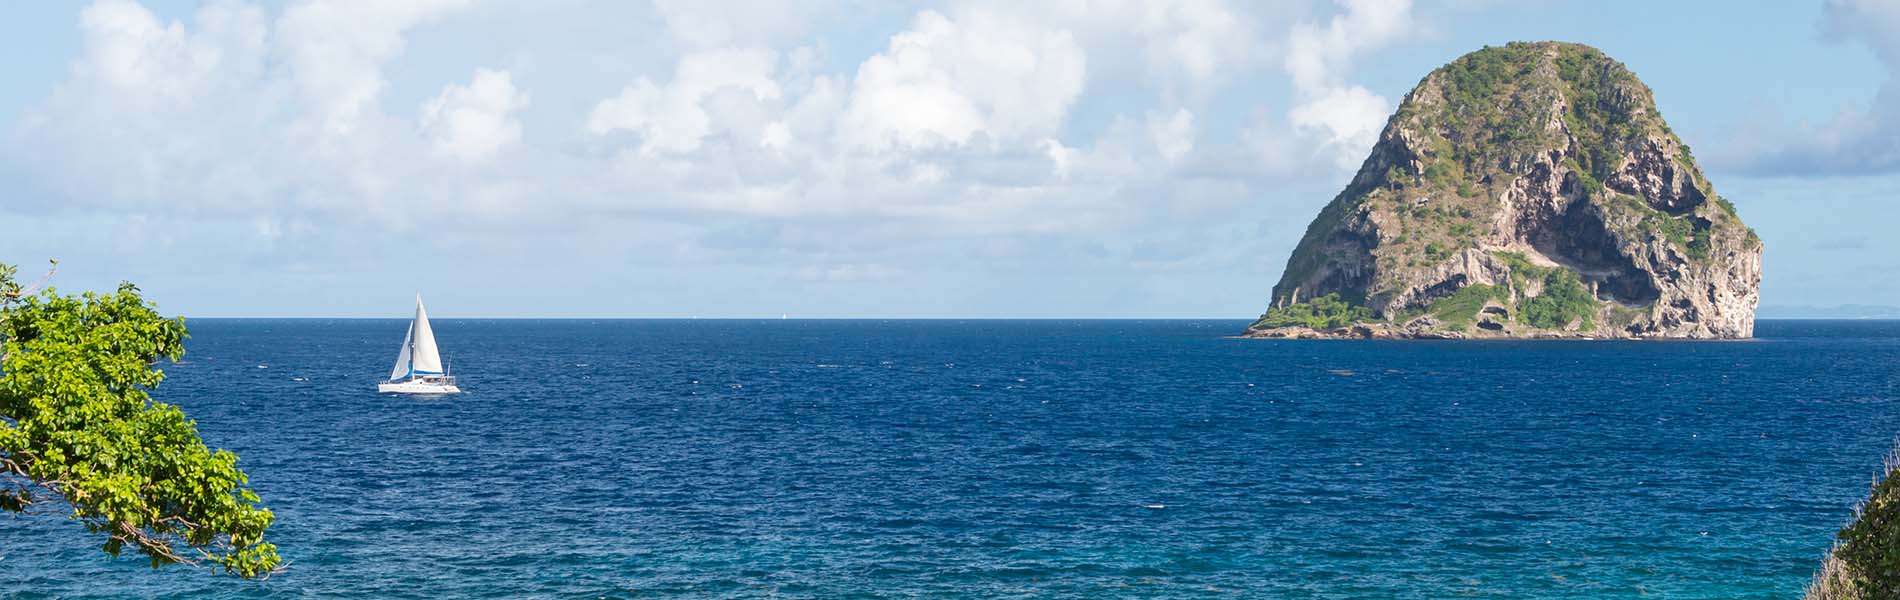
[(1387, 331)]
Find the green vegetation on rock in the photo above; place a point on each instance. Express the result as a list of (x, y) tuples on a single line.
[(1563, 301), (1603, 115), (1458, 310), (1323, 313), (1552, 151), (1865, 563), (80, 431)]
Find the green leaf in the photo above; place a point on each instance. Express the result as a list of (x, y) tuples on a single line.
[(77, 423)]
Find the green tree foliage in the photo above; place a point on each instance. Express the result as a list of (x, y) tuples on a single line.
[(1601, 112), (1461, 308), (1325, 312), (1865, 564), (79, 430), (1563, 301)]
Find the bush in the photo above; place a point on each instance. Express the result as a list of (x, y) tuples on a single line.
[(1691, 237), (1865, 563), (1563, 301), (1699, 245), (1461, 307), (1330, 311), (1443, 173)]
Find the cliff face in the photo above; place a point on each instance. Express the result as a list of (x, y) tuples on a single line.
[(1526, 191)]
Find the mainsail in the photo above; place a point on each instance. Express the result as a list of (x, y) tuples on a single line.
[(419, 355), (427, 360)]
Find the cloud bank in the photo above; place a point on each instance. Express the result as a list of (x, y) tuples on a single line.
[(1857, 141), (1068, 134)]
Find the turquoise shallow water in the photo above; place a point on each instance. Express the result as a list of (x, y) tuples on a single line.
[(1030, 459)]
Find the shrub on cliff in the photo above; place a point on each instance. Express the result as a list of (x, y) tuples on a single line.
[(1325, 312), (1865, 563)]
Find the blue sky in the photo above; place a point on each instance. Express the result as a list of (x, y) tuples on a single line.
[(842, 158)]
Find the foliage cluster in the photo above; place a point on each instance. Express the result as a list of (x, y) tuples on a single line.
[(1482, 119), (1591, 186), (1458, 310), (1620, 315), (1865, 563), (1521, 267), (79, 429), (1604, 102), (1330, 311), (1564, 300), (1693, 234)]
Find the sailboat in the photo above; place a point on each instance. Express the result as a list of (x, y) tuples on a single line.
[(419, 368)]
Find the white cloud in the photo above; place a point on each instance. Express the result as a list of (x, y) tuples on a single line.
[(235, 113), (960, 123), (1172, 135), (1857, 140), (474, 121), (707, 24), (1184, 48), (945, 80), (131, 50), (335, 50), (1038, 137), (1317, 56), (673, 117), (1345, 118)]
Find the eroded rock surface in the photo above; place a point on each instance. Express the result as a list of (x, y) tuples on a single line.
[(1525, 191)]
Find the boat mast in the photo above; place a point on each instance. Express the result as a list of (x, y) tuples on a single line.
[(412, 351)]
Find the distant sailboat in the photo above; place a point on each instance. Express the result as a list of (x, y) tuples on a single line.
[(419, 368)]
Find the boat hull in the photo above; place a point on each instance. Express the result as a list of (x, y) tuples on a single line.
[(417, 387)]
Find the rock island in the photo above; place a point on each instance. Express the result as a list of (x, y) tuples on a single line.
[(1527, 191)]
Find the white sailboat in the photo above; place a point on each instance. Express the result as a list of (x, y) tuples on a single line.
[(419, 368)]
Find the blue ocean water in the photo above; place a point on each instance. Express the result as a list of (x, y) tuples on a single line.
[(1017, 459)]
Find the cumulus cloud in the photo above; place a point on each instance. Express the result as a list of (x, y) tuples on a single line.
[(944, 81), (1345, 118), (960, 124), (707, 24), (1172, 135), (1856, 141), (474, 121), (1185, 48), (673, 117), (335, 49), (236, 113)]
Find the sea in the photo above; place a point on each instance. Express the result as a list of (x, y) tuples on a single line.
[(1015, 459)]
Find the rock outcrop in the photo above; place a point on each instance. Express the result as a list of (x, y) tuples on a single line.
[(1526, 191)]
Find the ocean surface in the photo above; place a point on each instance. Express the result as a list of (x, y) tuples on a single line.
[(1016, 459)]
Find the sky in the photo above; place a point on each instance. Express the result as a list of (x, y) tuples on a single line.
[(843, 158)]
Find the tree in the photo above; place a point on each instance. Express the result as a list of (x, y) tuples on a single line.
[(1865, 562), (79, 430)]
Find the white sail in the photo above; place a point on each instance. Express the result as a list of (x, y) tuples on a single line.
[(401, 371), (419, 368), (427, 360)]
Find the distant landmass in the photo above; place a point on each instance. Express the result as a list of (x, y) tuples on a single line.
[(1526, 191), (1844, 311)]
